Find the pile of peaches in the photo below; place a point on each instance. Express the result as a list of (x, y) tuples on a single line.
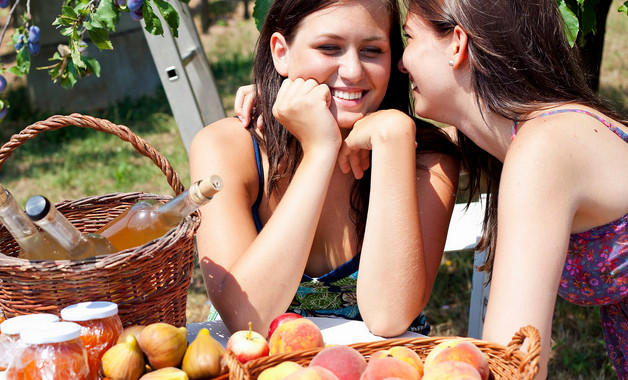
[(452, 359)]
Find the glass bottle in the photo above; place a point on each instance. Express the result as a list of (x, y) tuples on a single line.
[(100, 328), (80, 246), (145, 221), (34, 244)]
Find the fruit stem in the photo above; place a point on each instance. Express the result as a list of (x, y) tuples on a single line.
[(248, 335)]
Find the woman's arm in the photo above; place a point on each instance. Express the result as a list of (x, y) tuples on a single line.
[(539, 192), (253, 277), (405, 233)]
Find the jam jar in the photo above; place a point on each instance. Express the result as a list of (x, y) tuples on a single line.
[(51, 351), (100, 328), (10, 342)]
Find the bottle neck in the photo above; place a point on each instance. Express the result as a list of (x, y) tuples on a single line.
[(15, 220), (62, 230), (183, 204)]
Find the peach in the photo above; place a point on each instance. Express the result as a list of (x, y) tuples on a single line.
[(458, 350), (452, 370), (312, 373), (387, 367), (295, 335), (279, 371), (344, 361), (406, 354)]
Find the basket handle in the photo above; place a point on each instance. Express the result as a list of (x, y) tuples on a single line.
[(124, 133), (237, 371), (531, 359)]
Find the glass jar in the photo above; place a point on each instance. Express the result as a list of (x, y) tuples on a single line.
[(51, 351), (11, 328), (100, 328)]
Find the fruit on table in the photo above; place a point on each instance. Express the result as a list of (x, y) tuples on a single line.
[(344, 361), (247, 344), (135, 330), (452, 370), (124, 361), (295, 335), (281, 319), (203, 356), (458, 350), (279, 371), (403, 353), (163, 344), (312, 373), (387, 367), (166, 373)]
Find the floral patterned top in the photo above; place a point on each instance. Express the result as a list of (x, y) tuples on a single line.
[(596, 273)]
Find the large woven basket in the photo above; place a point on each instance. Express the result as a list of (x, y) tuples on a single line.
[(149, 283), (504, 362)]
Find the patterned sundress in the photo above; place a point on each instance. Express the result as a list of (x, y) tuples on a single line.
[(596, 273)]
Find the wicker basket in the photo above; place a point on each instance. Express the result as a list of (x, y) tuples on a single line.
[(504, 362), (149, 283)]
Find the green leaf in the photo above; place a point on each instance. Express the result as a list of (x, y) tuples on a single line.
[(100, 38), (623, 8), (107, 14), (68, 12), (169, 14), (66, 31), (72, 76), (76, 56), (22, 62), (151, 21), (572, 26), (93, 65), (260, 11)]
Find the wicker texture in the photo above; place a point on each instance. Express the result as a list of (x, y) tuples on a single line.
[(504, 362), (149, 283)]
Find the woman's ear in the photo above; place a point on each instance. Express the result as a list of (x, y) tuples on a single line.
[(459, 41), (279, 50)]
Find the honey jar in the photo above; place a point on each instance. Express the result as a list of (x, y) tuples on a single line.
[(100, 328), (51, 351), (10, 338)]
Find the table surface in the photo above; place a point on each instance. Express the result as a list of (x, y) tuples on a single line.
[(335, 331)]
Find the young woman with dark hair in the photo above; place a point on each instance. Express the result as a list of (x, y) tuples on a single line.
[(550, 150), (293, 224)]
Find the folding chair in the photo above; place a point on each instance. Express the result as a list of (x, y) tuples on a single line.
[(465, 231)]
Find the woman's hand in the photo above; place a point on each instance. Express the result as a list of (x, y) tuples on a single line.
[(354, 153), (243, 105), (302, 107)]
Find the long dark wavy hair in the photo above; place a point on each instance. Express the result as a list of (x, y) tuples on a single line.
[(520, 62), (283, 149)]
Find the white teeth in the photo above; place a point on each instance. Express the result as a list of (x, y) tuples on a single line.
[(347, 95)]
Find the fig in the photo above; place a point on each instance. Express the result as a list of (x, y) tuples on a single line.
[(163, 344), (135, 330), (166, 373), (203, 357), (124, 361)]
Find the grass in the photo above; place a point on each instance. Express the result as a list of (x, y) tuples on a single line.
[(72, 163)]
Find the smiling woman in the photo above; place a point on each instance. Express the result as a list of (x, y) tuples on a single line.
[(293, 223)]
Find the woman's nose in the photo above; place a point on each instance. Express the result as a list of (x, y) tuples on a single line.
[(351, 67), (401, 67)]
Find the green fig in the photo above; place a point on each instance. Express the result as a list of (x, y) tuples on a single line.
[(203, 357)]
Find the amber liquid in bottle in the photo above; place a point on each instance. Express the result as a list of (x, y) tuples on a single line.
[(146, 221), (34, 244), (79, 245)]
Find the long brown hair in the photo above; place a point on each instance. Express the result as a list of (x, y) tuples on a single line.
[(520, 62), (283, 149)]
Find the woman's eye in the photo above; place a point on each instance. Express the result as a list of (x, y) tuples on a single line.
[(329, 48), (407, 36), (371, 51)]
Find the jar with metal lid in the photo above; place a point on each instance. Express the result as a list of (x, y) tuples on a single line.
[(100, 328), (51, 351), (11, 328)]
